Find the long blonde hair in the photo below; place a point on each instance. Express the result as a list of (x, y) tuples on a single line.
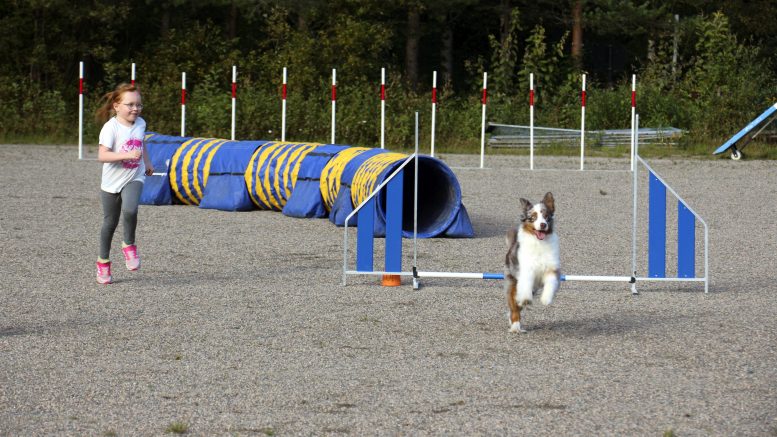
[(105, 111)]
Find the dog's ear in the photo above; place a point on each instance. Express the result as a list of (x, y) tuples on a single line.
[(526, 206), (549, 202)]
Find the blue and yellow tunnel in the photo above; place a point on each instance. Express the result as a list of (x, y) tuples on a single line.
[(301, 180)]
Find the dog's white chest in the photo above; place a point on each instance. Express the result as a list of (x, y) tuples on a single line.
[(538, 255)]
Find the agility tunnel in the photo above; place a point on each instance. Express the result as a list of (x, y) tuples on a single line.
[(305, 180)]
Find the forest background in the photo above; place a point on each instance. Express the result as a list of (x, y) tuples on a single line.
[(705, 66)]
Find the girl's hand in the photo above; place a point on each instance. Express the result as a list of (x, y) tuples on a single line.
[(149, 170), (134, 154)]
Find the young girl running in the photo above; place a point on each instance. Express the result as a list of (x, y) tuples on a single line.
[(125, 164)]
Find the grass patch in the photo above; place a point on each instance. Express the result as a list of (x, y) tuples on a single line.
[(368, 319), (42, 139), (177, 428)]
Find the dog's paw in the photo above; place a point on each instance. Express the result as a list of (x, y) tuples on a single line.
[(516, 327), (546, 299), (525, 302)]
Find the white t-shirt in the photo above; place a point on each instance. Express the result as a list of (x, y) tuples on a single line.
[(120, 138)]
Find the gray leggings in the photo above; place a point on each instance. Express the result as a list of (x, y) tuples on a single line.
[(123, 203)]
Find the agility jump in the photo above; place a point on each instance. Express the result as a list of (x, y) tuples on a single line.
[(656, 272)]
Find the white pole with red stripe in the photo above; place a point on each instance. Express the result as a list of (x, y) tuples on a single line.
[(531, 121), (334, 102), (582, 126), (483, 120), (81, 110), (382, 108), (183, 104), (283, 107), (234, 98), (633, 115), (132, 77), (434, 106)]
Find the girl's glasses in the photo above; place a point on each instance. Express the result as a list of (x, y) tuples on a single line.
[(133, 106)]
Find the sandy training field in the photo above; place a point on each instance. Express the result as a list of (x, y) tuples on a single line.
[(237, 323)]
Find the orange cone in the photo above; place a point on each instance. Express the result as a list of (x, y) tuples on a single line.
[(391, 281)]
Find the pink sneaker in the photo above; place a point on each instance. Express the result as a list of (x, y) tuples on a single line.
[(131, 257), (104, 273)]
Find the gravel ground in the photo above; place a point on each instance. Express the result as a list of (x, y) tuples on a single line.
[(237, 323)]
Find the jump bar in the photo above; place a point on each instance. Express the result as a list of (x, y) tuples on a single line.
[(590, 278), (502, 276)]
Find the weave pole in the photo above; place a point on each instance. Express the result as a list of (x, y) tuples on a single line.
[(582, 126), (283, 107), (234, 98), (132, 75), (334, 102), (434, 107), (183, 104), (483, 100), (382, 108), (633, 117), (81, 110), (531, 121)]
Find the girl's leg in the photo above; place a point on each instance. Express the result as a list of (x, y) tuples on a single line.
[(130, 196), (111, 210)]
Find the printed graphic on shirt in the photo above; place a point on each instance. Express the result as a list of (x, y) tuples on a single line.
[(130, 145)]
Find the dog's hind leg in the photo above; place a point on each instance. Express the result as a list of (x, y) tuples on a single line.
[(551, 283), (512, 302)]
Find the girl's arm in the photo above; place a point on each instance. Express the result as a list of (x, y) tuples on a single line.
[(105, 154), (147, 161)]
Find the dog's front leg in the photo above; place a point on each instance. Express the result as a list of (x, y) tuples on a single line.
[(525, 288), (512, 303), (551, 283)]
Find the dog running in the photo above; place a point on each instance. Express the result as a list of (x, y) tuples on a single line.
[(532, 261)]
